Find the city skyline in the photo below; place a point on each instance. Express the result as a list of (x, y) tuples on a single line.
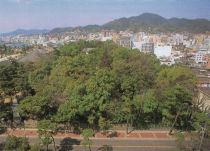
[(48, 14)]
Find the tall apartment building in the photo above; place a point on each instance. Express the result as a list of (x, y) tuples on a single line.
[(148, 48)]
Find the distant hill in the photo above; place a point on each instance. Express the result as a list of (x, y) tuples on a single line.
[(143, 22), (154, 23), (180, 25), (90, 28), (61, 30), (151, 23), (25, 32)]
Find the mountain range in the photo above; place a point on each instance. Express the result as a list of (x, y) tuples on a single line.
[(145, 22), (148, 22), (25, 32)]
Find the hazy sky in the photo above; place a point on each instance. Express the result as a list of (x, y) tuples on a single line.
[(47, 14)]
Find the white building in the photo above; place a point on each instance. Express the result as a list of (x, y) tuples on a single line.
[(167, 61), (106, 38), (163, 51), (136, 45), (200, 58), (178, 39)]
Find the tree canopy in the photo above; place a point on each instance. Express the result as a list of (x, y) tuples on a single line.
[(99, 84)]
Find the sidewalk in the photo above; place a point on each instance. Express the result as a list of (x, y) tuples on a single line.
[(119, 134)]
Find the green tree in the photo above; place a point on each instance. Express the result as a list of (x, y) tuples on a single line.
[(37, 107), (104, 124), (201, 123), (176, 75), (68, 112), (13, 79), (46, 129), (180, 140), (96, 84), (146, 110), (87, 133), (16, 143), (176, 107), (175, 89), (35, 147), (151, 106), (135, 74), (5, 113)]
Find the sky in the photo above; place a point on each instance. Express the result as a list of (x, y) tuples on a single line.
[(48, 14)]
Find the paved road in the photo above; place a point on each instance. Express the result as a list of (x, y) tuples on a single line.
[(69, 144), (127, 145)]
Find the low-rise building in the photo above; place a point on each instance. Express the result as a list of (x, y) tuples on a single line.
[(200, 58), (125, 41)]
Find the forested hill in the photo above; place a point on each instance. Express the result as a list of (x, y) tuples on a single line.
[(149, 22)]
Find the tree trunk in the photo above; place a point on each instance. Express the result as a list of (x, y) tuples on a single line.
[(69, 127), (47, 148), (53, 142), (24, 130), (172, 127), (89, 147), (127, 125)]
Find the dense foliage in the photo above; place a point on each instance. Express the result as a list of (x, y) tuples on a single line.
[(97, 85), (16, 143)]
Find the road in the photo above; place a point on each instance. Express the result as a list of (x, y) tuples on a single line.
[(126, 145), (69, 144)]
